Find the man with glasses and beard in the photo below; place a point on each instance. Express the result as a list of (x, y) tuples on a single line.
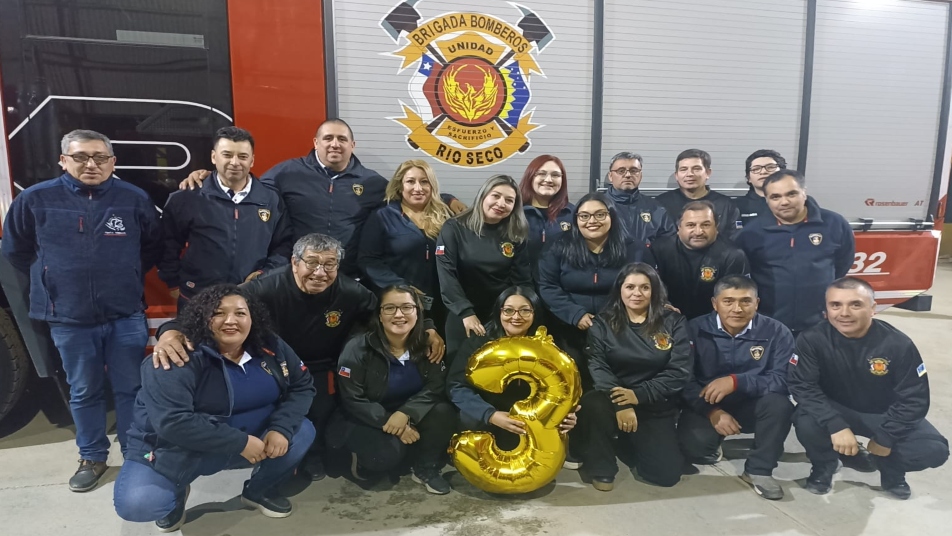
[(315, 309), (644, 218)]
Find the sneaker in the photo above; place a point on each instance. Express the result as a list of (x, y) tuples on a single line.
[(87, 476), (355, 469), (897, 488), (276, 507), (764, 485), (603, 483), (313, 467), (711, 459), (863, 461), (571, 462), (820, 481), (431, 479), (176, 518)]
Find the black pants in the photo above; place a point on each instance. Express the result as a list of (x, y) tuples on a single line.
[(768, 417), (322, 407), (573, 341), (379, 451), (653, 447), (922, 449)]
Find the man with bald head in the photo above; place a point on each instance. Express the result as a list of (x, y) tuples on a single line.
[(856, 375)]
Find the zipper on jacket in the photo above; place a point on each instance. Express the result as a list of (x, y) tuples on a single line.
[(595, 279), (543, 236), (791, 241), (47, 288), (81, 225)]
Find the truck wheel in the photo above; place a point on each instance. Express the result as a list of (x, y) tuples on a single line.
[(14, 364)]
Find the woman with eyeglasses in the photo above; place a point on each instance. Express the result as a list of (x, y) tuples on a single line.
[(760, 165), (398, 243), (392, 397), (577, 272), (514, 315), (545, 193), (479, 254), (639, 355)]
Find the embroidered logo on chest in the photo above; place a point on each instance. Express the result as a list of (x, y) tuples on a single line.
[(662, 341), (358, 189), (816, 238), (708, 273), (646, 217), (756, 352), (565, 226), (507, 249), (115, 226), (879, 366), (332, 318), (264, 214)]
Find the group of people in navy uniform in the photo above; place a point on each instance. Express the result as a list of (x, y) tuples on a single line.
[(326, 310)]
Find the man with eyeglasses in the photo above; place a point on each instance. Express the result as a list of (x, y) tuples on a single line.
[(691, 262), (87, 239), (692, 171), (760, 165), (644, 218), (315, 309), (229, 231)]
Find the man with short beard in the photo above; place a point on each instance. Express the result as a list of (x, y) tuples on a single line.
[(855, 375), (691, 262), (315, 309)]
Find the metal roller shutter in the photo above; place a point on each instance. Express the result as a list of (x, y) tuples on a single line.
[(877, 89), (722, 76)]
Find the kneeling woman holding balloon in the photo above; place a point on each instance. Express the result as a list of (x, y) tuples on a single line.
[(392, 396), (491, 374), (639, 355)]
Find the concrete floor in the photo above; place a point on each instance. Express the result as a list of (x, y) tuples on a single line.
[(37, 458)]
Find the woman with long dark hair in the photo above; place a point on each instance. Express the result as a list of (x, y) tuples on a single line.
[(479, 254), (545, 194), (639, 355), (392, 397), (239, 401), (577, 272), (514, 315)]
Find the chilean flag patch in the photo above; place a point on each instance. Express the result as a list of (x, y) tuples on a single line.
[(795, 359), (921, 370), (441, 250), (344, 372)]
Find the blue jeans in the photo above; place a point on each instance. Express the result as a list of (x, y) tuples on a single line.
[(90, 353), (141, 494)]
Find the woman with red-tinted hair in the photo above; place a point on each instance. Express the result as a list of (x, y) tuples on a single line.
[(546, 204)]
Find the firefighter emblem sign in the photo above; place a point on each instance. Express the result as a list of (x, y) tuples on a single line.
[(469, 85)]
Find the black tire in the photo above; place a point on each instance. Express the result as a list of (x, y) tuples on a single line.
[(14, 364)]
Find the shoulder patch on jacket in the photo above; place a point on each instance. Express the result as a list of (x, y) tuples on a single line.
[(921, 370), (344, 372), (794, 359)]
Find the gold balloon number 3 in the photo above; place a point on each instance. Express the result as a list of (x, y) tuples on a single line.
[(555, 391)]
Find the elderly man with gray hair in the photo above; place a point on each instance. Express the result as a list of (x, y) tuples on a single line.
[(644, 218), (315, 309), (87, 239)]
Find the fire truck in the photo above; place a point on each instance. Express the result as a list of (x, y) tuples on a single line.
[(855, 93)]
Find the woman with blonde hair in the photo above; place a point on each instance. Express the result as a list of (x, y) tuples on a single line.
[(398, 243), (480, 253)]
